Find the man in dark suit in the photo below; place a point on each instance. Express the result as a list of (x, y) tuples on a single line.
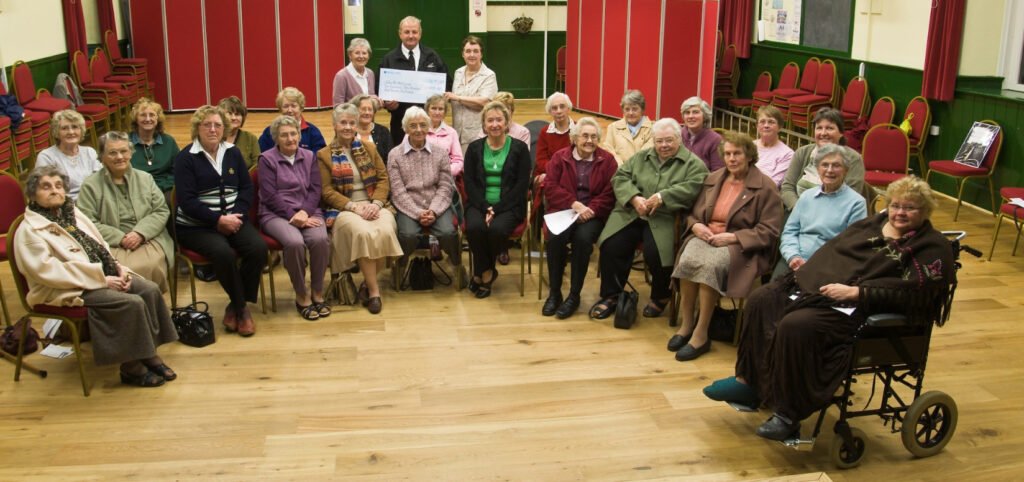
[(409, 56)]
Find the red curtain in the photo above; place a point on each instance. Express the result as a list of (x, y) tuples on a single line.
[(107, 19), (942, 53), (74, 26), (737, 24)]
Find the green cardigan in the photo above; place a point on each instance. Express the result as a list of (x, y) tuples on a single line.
[(98, 200), (679, 180)]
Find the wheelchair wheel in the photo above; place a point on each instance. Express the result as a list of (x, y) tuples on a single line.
[(929, 424), (849, 456)]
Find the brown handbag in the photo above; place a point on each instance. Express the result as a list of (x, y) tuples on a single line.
[(13, 333)]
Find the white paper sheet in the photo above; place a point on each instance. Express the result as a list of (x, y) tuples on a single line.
[(1017, 201), (50, 327), (558, 222), (57, 351)]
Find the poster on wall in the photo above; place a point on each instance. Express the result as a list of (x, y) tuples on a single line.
[(354, 17), (781, 20)]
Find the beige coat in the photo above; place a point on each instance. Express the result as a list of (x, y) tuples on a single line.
[(54, 264), (620, 142)]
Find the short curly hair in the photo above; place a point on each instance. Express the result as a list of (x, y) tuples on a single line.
[(742, 141), (48, 170), (913, 188), (147, 103), (202, 113)]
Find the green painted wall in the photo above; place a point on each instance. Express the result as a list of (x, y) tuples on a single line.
[(976, 98), (445, 24)]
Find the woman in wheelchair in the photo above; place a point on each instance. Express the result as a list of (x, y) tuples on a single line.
[(796, 344)]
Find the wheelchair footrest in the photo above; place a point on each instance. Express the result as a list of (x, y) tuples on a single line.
[(800, 444), (739, 407)]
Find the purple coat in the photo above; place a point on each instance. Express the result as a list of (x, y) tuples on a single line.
[(286, 188)]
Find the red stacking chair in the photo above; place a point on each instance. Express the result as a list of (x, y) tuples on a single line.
[(920, 115), (883, 112), (886, 156), (30, 136), (12, 205), (100, 68), (74, 318), (1009, 210), (764, 82), (790, 74), (855, 101), (112, 95), (8, 155), (808, 81), (135, 67), (560, 69), (42, 100), (961, 172), (826, 93), (272, 244), (727, 75)]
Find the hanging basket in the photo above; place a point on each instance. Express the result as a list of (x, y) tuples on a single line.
[(523, 25)]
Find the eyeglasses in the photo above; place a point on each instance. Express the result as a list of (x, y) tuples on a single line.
[(211, 125), (904, 208)]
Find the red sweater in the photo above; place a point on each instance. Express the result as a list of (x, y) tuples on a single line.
[(560, 182), (547, 146)]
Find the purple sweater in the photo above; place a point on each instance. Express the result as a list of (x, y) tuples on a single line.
[(287, 188), (705, 146)]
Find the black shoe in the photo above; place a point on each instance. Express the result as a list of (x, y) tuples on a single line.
[(568, 308), (689, 352), (551, 305), (206, 273), (677, 341), (778, 429)]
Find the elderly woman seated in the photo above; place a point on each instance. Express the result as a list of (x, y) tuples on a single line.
[(291, 102), (129, 210), (441, 134), (371, 133), (355, 186), (78, 162), (802, 173), (628, 135), (697, 134), (822, 212), (421, 189), (796, 345), (730, 238), (773, 155), (245, 141), (213, 192), (497, 176), (579, 178), (65, 262), (650, 190), (515, 129), (290, 213), (154, 150)]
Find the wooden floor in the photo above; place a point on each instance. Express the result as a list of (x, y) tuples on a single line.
[(442, 386)]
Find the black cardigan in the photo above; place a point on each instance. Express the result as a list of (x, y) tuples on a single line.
[(515, 178)]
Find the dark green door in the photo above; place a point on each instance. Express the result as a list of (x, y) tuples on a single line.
[(445, 24)]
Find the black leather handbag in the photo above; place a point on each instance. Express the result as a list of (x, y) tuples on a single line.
[(625, 309), (194, 325)]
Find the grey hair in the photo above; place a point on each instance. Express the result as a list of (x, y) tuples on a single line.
[(413, 113), (357, 43), (829, 150), (359, 99), (343, 110), (113, 136), (32, 179), (574, 132), (635, 97), (68, 115), (669, 124), (696, 101), (283, 121), (553, 97), (410, 19)]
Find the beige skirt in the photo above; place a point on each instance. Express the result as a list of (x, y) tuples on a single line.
[(353, 238), (147, 260), (703, 263)]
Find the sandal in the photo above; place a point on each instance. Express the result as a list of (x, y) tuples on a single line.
[(655, 308), (308, 312), (148, 379), (163, 371), (603, 309), (322, 308)]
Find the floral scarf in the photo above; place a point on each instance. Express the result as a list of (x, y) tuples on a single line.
[(65, 218), (341, 168)]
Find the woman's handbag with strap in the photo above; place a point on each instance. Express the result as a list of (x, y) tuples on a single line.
[(194, 325)]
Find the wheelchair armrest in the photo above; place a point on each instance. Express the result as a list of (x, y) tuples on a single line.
[(887, 320)]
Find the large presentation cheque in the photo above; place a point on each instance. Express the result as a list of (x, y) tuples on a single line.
[(409, 85)]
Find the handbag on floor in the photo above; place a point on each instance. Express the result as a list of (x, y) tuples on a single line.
[(194, 325), (625, 309), (9, 340), (421, 274)]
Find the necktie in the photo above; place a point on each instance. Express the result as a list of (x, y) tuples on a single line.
[(413, 60)]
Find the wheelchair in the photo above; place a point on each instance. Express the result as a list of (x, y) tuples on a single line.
[(893, 350)]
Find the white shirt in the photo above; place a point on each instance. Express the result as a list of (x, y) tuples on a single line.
[(216, 161), (360, 78), (416, 55)]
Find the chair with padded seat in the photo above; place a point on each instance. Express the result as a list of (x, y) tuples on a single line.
[(961, 173), (73, 317), (41, 100), (1009, 210), (31, 135), (764, 82), (883, 112), (136, 67), (826, 92), (272, 244), (856, 101), (787, 80), (727, 75), (100, 67), (806, 86), (112, 95), (919, 113), (560, 74), (886, 154), (8, 154), (12, 205)]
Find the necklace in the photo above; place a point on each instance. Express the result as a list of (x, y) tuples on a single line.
[(147, 152)]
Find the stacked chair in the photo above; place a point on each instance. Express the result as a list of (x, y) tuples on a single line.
[(41, 100), (787, 80), (30, 136), (727, 75), (764, 83), (137, 68), (113, 96), (826, 94), (807, 85)]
